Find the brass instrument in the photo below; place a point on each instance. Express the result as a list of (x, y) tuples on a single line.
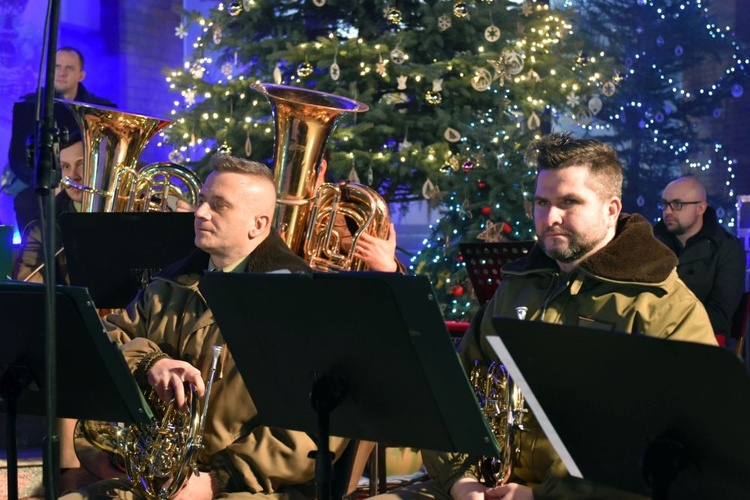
[(503, 406), (305, 218), (117, 185), (158, 457)]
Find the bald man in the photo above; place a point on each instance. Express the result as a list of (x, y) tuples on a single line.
[(167, 334), (711, 260)]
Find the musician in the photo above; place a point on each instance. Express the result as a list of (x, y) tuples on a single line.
[(591, 266), (167, 334), (69, 76)]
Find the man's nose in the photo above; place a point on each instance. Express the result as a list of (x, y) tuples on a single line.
[(202, 211)]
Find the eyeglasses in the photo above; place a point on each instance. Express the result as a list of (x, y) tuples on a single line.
[(675, 205)]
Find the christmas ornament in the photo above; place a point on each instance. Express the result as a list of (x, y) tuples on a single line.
[(582, 59), (334, 71), (466, 209), (402, 82), (176, 157), (393, 15), (533, 122), (392, 98), (659, 117), (319, 3), (737, 90), (380, 67), (446, 169), (720, 212), (444, 22), (457, 290), (224, 149), (618, 77), (452, 135), (433, 98), (493, 232), (492, 33), (226, 69), (398, 56), (573, 100), (247, 4), (234, 8), (595, 105), (506, 228), (369, 175), (583, 116), (430, 191), (460, 9), (197, 70), (481, 185), (486, 211), (353, 177), (678, 50), (527, 9), (533, 76), (513, 61), (248, 146), (305, 69), (608, 89), (277, 75), (189, 95), (217, 35), (481, 80), (467, 166), (180, 31), (640, 201)]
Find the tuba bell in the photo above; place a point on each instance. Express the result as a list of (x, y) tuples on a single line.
[(116, 184), (315, 223)]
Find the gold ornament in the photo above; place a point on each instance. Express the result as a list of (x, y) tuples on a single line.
[(608, 89), (460, 9), (305, 69), (493, 232), (224, 149), (393, 15), (234, 8), (433, 98)]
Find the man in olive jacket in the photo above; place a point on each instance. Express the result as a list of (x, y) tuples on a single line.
[(592, 266), (168, 332)]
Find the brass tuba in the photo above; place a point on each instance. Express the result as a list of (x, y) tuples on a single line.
[(502, 404), (314, 223), (117, 185)]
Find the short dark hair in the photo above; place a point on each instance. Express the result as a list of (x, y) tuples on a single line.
[(74, 50), (560, 150), (222, 162), (70, 138)]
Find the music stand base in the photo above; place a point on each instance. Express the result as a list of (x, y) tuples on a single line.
[(663, 461)]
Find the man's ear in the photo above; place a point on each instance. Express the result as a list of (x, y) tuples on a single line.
[(613, 209), (260, 225), (83, 75), (702, 207)]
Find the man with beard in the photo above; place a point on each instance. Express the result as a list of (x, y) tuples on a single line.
[(592, 266), (711, 261)]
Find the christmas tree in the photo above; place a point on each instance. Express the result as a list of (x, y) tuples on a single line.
[(456, 91), (682, 72)]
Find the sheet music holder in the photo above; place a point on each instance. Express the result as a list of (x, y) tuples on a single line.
[(612, 402), (484, 261), (93, 380), (379, 336), (114, 255)]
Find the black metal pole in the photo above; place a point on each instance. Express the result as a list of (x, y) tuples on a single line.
[(46, 174)]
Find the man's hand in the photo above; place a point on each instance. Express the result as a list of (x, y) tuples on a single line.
[(379, 255), (197, 488), (468, 488), (510, 491), (168, 378), (183, 206)]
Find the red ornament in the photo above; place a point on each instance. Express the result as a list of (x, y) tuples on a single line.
[(460, 258), (481, 184), (486, 211), (506, 228), (457, 290)]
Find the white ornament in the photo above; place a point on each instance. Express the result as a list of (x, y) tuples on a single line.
[(197, 71), (573, 100), (277, 75), (319, 3), (437, 85), (176, 157), (189, 95), (226, 69), (335, 71), (429, 190), (595, 104), (180, 31), (401, 82), (353, 177), (444, 22), (533, 122), (452, 135), (380, 67), (492, 33), (217, 35), (513, 61), (481, 80), (398, 56)]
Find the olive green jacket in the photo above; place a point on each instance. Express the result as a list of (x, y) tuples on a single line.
[(631, 285), (171, 318)]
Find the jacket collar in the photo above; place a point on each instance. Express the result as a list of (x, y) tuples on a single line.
[(622, 259), (710, 230)]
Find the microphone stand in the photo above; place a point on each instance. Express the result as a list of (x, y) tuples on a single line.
[(45, 181)]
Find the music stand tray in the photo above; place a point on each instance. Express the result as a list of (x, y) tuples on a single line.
[(114, 255), (484, 262), (622, 409), (93, 380), (378, 338)]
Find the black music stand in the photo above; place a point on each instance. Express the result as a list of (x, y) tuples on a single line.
[(640, 414), (370, 349), (93, 380), (114, 255), (485, 260)]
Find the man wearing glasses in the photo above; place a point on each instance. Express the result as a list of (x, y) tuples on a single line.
[(712, 261)]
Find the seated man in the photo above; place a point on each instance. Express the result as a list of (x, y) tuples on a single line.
[(167, 334), (711, 261), (587, 268)]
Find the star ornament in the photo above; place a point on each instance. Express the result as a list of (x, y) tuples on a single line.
[(493, 232), (180, 31)]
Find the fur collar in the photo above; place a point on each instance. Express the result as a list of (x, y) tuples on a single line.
[(633, 255)]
